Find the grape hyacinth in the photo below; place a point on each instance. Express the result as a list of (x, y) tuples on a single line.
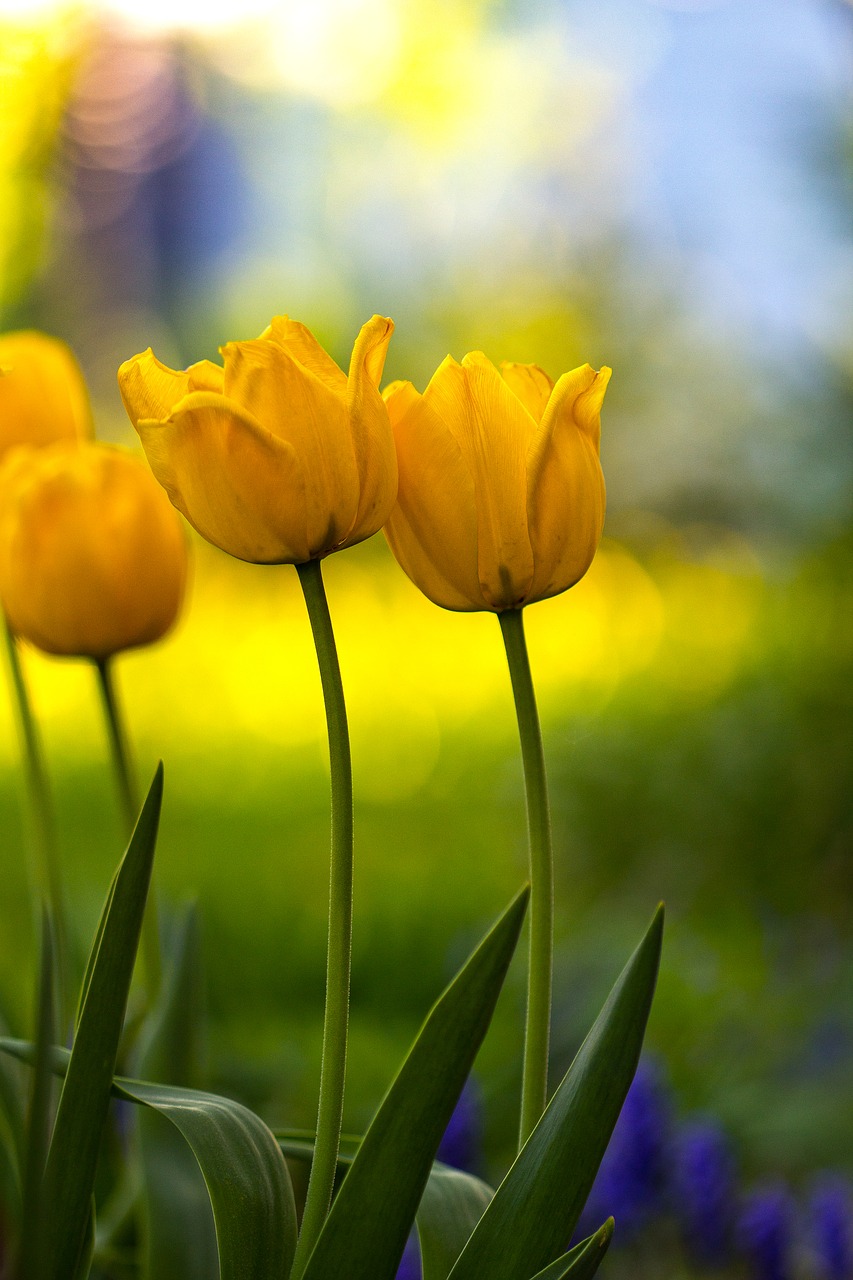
[(830, 1219), (766, 1232), (703, 1192), (631, 1182)]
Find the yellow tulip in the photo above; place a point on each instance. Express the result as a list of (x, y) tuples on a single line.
[(500, 498), (92, 557), (43, 396), (279, 457)]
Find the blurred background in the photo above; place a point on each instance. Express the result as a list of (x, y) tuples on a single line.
[(659, 185)]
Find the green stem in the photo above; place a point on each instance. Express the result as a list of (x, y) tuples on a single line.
[(129, 800), (534, 1086), (333, 1068), (47, 873)]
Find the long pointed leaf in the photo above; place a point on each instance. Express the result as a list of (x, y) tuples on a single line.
[(536, 1207), (582, 1262), (83, 1103), (179, 1237), (372, 1214), (245, 1173), (39, 1111), (452, 1204)]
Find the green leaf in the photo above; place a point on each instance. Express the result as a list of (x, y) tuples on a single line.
[(179, 1237), (536, 1207), (39, 1111), (245, 1173), (366, 1230), (244, 1170), (451, 1206), (84, 1101), (582, 1262)]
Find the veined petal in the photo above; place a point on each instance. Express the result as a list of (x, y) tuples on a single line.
[(294, 405), (560, 406), (373, 441), (587, 410), (299, 342), (566, 496), (238, 484), (149, 388), (206, 376), (530, 383), (432, 529), (493, 431)]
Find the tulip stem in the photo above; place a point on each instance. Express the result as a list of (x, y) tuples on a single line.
[(333, 1067), (128, 790), (534, 1086), (47, 870)]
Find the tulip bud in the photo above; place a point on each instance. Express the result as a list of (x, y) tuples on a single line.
[(278, 457), (42, 393), (500, 498), (92, 557)]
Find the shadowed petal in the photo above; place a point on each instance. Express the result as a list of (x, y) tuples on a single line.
[(566, 498), (295, 406), (433, 528), (373, 441), (238, 484), (530, 383)]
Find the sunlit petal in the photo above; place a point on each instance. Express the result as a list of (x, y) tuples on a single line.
[(242, 487), (149, 388), (530, 383), (373, 442), (298, 340)]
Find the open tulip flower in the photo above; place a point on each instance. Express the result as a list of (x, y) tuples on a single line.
[(43, 396), (93, 559), (279, 457), (501, 496)]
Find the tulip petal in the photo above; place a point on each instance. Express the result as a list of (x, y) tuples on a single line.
[(493, 431), (43, 394), (373, 441), (240, 486), (566, 498), (530, 383), (296, 407), (299, 342), (149, 388), (432, 530), (206, 376), (588, 406)]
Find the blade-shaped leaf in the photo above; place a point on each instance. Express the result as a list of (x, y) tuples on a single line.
[(243, 1168), (245, 1173), (536, 1207), (366, 1230), (39, 1110), (452, 1204), (582, 1262), (179, 1237), (83, 1103)]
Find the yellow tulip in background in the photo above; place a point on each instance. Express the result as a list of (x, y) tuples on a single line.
[(501, 496), (279, 457), (43, 396), (93, 559)]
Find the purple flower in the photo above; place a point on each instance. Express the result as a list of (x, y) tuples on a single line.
[(632, 1178), (462, 1142), (410, 1263), (766, 1232), (703, 1191), (830, 1225)]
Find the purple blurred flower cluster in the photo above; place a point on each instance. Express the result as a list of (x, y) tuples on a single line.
[(658, 1173)]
